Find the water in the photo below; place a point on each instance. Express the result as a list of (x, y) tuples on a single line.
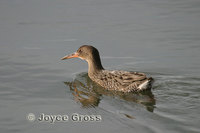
[(160, 38)]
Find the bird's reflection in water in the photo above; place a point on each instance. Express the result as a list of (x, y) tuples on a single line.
[(89, 93)]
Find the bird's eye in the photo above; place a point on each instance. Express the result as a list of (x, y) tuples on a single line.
[(79, 51)]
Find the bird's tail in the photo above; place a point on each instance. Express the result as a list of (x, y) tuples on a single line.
[(147, 84)]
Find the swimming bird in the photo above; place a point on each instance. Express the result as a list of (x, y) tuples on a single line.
[(116, 80)]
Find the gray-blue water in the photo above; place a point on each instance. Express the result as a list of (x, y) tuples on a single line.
[(158, 37)]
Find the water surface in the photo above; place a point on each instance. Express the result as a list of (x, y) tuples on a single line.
[(158, 37)]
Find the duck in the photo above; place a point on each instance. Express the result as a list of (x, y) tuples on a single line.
[(115, 80)]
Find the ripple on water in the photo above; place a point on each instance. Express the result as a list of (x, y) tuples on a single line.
[(178, 99)]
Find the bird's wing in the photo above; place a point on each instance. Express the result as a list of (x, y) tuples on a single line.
[(126, 78)]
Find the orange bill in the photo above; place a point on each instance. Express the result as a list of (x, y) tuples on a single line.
[(74, 55)]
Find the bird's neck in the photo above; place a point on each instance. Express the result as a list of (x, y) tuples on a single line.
[(94, 66)]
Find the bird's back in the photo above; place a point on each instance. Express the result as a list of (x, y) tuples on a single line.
[(122, 80)]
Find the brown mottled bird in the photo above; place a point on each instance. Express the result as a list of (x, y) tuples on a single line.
[(111, 80)]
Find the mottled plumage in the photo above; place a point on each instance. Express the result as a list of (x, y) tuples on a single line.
[(122, 80), (112, 80)]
